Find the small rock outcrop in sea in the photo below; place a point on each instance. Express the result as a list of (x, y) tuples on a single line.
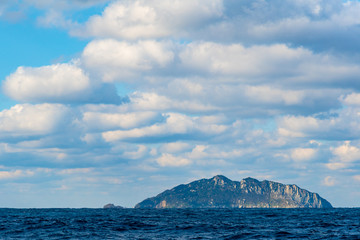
[(110, 205), (221, 192)]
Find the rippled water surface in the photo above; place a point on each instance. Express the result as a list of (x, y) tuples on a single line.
[(180, 224)]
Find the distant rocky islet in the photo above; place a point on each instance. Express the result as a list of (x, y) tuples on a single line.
[(111, 205)]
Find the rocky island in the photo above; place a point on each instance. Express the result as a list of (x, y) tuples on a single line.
[(221, 192), (111, 205)]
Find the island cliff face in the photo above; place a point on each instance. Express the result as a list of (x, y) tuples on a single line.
[(221, 192)]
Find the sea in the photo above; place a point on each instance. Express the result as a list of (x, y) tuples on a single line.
[(337, 223)]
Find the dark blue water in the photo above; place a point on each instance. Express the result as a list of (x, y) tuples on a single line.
[(180, 224)]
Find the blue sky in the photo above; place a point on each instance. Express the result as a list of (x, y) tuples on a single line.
[(115, 101)]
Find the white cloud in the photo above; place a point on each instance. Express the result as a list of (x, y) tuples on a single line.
[(290, 22), (349, 15), (351, 99), (303, 154), (194, 94), (170, 160), (71, 171), (240, 100), (235, 59), (336, 165), (301, 126), (342, 125), (107, 121), (146, 101), (54, 83), (211, 153), (329, 181), (297, 126), (199, 152), (58, 83), (175, 124), (347, 153), (261, 63), (356, 178), (269, 95), (150, 18), (41, 151), (15, 174), (139, 153), (142, 64), (118, 61), (344, 156), (30, 120), (174, 147)]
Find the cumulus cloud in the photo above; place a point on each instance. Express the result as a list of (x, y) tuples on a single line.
[(207, 95), (273, 10), (170, 160), (329, 181), (15, 174), (338, 125), (261, 21), (346, 153), (56, 83), (351, 99), (336, 165), (296, 126), (331, 24), (210, 152), (31, 120), (283, 77), (277, 62), (235, 59), (71, 171), (344, 156), (303, 154), (48, 82), (139, 153), (107, 121), (150, 19), (121, 61), (268, 95), (154, 101), (176, 125), (174, 147)]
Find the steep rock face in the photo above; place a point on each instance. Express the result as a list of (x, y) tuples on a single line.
[(221, 192)]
